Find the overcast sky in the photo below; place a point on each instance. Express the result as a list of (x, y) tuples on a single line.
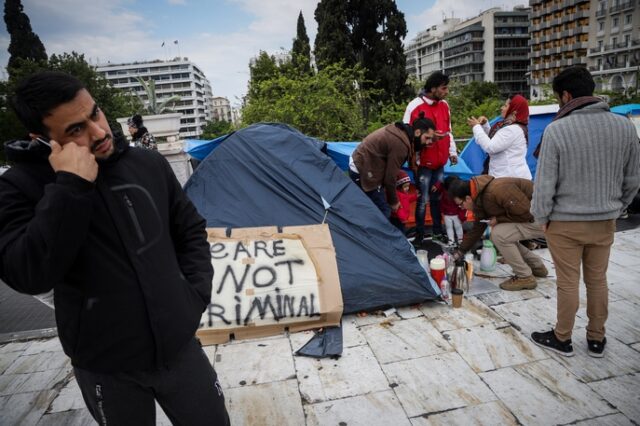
[(219, 36)]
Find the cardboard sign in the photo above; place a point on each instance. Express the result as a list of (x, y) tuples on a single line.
[(265, 282)]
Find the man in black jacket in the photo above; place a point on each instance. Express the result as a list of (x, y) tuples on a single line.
[(111, 231)]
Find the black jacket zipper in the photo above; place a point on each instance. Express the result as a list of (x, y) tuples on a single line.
[(134, 218)]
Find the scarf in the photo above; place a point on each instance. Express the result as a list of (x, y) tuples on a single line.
[(568, 108)]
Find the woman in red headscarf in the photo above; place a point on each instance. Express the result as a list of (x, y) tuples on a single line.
[(507, 140)]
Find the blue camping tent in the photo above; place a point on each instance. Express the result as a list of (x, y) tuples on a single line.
[(471, 158), (271, 174)]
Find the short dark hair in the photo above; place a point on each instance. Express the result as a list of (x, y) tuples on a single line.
[(459, 188), (38, 94), (576, 80), (448, 180), (422, 123), (436, 79)]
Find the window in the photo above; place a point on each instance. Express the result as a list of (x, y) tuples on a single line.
[(628, 19), (615, 22), (601, 26), (600, 45)]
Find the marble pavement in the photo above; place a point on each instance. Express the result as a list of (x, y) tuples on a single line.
[(427, 365)]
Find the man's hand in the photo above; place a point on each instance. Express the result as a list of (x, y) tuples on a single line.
[(457, 254), (483, 120), (453, 159), (544, 227), (493, 221), (439, 135), (395, 207), (74, 159), (472, 121), (434, 188)]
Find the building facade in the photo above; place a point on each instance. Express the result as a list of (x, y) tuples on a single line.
[(559, 38), (614, 44), (177, 77), (221, 109), (493, 46), (424, 52)]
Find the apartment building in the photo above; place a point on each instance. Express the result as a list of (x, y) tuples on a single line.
[(614, 44), (492, 46), (221, 109), (559, 38), (424, 52), (176, 77)]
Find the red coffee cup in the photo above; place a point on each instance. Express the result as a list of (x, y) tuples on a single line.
[(437, 267)]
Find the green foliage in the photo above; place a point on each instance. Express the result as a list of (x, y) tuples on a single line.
[(369, 33), (152, 106), (301, 51), (326, 105), (472, 100), (213, 129), (24, 44), (385, 114), (333, 40), (546, 97)]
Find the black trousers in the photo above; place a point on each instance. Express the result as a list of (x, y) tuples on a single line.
[(188, 391)]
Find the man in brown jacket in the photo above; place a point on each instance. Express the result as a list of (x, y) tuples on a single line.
[(375, 163), (502, 203)]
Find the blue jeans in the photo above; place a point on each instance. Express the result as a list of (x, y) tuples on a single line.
[(377, 195), (426, 179)]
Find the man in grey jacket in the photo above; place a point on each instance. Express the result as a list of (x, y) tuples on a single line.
[(588, 172)]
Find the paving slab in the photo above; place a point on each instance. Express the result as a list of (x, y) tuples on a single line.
[(531, 315), (544, 393), (373, 318), (436, 383), (623, 393), (404, 339), (409, 312), (44, 345), (501, 297), (377, 408), (485, 348), (254, 362), (69, 398), (39, 362), (623, 321), (25, 408), (610, 420), (471, 314), (636, 346), (7, 359), (489, 414), (268, 404), (357, 372), (14, 347), (80, 417), (619, 359)]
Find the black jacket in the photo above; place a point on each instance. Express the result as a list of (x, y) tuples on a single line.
[(127, 256)]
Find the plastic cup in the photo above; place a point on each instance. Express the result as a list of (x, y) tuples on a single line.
[(437, 267), (423, 258), (456, 297)]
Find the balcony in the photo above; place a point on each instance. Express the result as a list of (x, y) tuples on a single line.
[(623, 6), (600, 13)]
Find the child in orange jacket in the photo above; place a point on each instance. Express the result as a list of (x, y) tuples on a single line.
[(400, 216)]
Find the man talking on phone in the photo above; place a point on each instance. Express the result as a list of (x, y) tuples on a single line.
[(109, 229)]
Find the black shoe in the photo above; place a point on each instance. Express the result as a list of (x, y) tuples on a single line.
[(417, 241), (550, 341), (596, 349)]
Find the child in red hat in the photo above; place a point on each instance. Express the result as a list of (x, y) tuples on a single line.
[(400, 216)]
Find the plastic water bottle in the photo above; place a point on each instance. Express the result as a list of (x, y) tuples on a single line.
[(488, 257)]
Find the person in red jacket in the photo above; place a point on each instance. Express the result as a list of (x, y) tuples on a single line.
[(454, 215), (401, 216), (433, 157)]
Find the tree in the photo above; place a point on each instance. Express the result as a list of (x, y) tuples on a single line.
[(472, 100), (377, 29), (213, 129), (264, 68), (325, 105), (333, 40), (24, 44), (152, 106), (301, 51)]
